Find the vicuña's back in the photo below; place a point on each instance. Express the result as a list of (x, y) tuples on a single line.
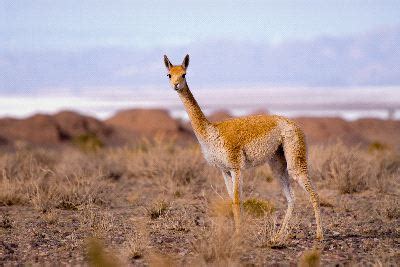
[(252, 140), (239, 143)]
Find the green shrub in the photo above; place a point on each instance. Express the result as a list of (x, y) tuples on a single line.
[(258, 207), (88, 142)]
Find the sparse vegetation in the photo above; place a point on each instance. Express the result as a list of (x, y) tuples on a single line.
[(157, 209), (257, 207), (157, 202), (88, 142), (353, 170)]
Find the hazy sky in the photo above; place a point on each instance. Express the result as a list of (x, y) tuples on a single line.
[(77, 24)]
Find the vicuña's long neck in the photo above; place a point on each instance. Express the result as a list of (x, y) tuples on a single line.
[(197, 118)]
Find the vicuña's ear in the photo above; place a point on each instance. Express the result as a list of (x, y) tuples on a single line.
[(167, 63), (185, 62)]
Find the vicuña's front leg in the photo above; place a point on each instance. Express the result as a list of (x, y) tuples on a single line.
[(237, 193), (237, 185)]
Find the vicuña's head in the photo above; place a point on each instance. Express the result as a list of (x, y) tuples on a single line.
[(177, 73)]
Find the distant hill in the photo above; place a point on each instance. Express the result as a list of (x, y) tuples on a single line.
[(366, 59), (129, 126)]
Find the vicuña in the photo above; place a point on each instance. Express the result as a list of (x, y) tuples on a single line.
[(236, 144)]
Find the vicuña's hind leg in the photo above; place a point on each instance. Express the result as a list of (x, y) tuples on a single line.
[(228, 183), (295, 154), (305, 183), (278, 166)]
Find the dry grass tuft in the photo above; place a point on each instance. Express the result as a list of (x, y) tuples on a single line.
[(377, 146), (257, 207), (158, 209), (6, 222), (137, 243), (220, 245), (389, 208), (95, 222), (11, 192), (343, 167), (310, 258), (324, 202)]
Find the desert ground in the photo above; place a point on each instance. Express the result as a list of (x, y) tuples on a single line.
[(85, 198)]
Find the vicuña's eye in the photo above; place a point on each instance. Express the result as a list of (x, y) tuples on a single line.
[(169, 76), (183, 75)]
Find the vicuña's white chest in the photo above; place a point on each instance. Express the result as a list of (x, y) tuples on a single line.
[(214, 151)]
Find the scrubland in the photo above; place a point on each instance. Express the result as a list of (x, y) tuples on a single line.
[(158, 203)]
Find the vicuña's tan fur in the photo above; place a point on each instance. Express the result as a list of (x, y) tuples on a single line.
[(240, 143)]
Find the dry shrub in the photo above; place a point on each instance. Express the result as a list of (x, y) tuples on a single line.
[(387, 171), (98, 223), (157, 209), (6, 222), (12, 192), (310, 258), (324, 202), (48, 178), (103, 164), (50, 216), (219, 246), (389, 208), (136, 246), (167, 161), (20, 172), (342, 166), (352, 169), (27, 164)]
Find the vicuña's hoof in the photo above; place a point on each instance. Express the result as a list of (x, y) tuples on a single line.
[(320, 237)]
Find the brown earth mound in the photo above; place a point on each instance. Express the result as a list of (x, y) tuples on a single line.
[(129, 125), (319, 130), (51, 129), (72, 124), (135, 123), (39, 129), (376, 130), (362, 131)]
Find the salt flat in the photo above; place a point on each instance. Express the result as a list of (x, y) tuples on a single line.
[(350, 102)]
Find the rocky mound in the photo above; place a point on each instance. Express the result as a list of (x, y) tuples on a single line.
[(72, 124), (52, 129), (362, 131), (130, 125), (320, 130), (146, 122)]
